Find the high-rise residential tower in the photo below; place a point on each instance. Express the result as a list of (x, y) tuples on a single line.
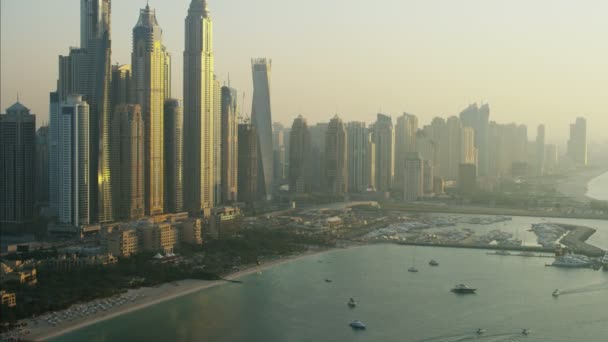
[(74, 162), (261, 116), (217, 142), (174, 154), (540, 150), (198, 110), (149, 64), (42, 166), (17, 166), (383, 138), (248, 164), (230, 144), (577, 144), (336, 164), (413, 177), (299, 157), (121, 88), (358, 158), (128, 140), (477, 117), (279, 152), (317, 143), (405, 142)]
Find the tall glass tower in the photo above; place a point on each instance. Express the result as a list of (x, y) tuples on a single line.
[(261, 116), (199, 125)]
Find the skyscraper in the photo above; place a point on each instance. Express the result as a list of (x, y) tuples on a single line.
[(336, 158), (128, 161), (405, 142), (384, 140), (230, 144), (317, 143), (174, 167), (279, 150), (261, 116), (478, 118), (74, 162), (149, 63), (92, 73), (540, 150), (358, 158), (42, 166), (17, 166), (299, 157), (577, 144), (198, 110), (248, 164), (121, 86), (217, 143), (413, 180), (453, 143)]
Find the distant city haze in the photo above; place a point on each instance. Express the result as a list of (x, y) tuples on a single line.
[(542, 61)]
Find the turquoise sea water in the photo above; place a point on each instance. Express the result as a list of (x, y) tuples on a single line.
[(598, 188), (292, 302)]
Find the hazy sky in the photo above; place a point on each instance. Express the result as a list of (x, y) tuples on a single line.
[(540, 61)]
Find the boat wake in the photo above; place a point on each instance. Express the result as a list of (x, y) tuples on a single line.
[(586, 289), (476, 337)]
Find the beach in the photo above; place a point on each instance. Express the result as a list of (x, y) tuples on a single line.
[(575, 185), (148, 296)]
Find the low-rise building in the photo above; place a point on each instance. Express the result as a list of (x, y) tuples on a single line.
[(192, 231), (160, 237), (123, 243), (8, 299), (70, 262), (17, 271)]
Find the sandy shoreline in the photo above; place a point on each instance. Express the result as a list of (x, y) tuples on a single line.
[(149, 296), (575, 185)]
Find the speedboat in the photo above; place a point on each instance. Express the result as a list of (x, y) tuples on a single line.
[(525, 332), (462, 288), (481, 331), (352, 303), (433, 263), (357, 325), (412, 269), (555, 293), (327, 280)]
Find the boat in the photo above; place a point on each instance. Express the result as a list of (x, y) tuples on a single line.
[(433, 263), (572, 261), (357, 325), (327, 280), (527, 254), (481, 331), (555, 293), (525, 332), (462, 288), (605, 262), (352, 303), (502, 252), (412, 269)]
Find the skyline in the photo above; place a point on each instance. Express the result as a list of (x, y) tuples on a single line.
[(439, 68)]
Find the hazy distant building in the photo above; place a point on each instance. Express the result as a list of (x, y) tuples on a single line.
[(438, 185), (370, 164), (358, 156), (300, 157), (198, 109), (551, 158), (149, 62), (468, 151), (540, 150), (577, 144), (478, 118), (453, 144), (41, 189), (413, 177), (279, 150), (317, 142), (248, 164), (217, 143), (438, 149), (74, 162), (384, 140), (427, 178), (17, 166), (261, 118), (121, 89), (174, 156), (230, 144), (405, 142), (428, 149), (336, 158), (128, 161), (467, 179)]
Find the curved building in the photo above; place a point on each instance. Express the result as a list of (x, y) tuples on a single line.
[(261, 117)]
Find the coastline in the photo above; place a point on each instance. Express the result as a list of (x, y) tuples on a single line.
[(150, 296), (575, 185)]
